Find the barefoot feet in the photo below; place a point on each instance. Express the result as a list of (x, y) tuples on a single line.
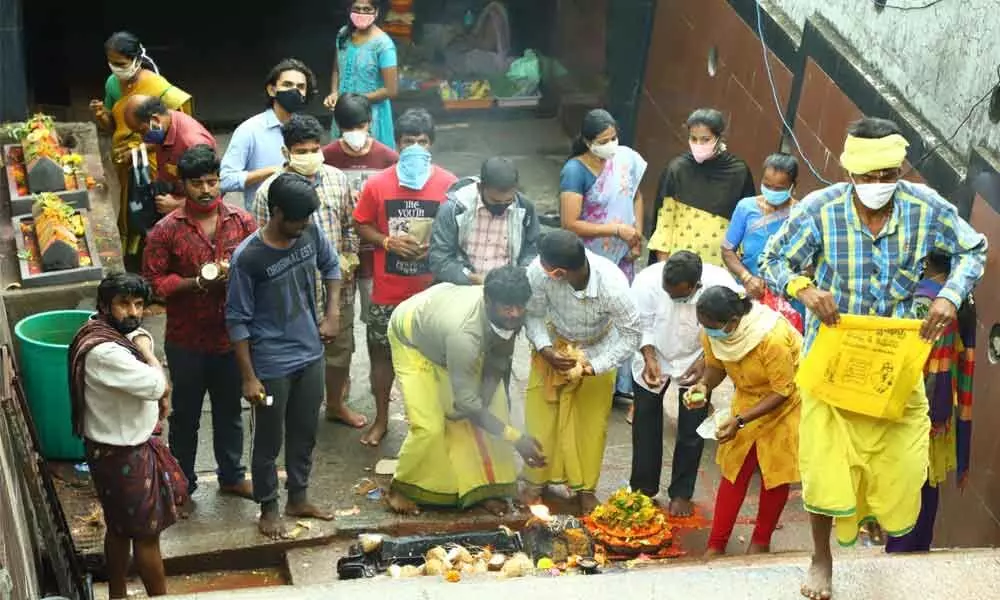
[(819, 580), (588, 502), (306, 510), (400, 504), (243, 489), (529, 495), (270, 525), (495, 507), (184, 510), (343, 414), (681, 507), (373, 437)]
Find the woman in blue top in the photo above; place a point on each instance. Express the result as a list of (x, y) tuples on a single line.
[(366, 64), (757, 218)]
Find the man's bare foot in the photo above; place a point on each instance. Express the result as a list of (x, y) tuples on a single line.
[(759, 549), (184, 510), (681, 507), (496, 507), (819, 580), (373, 437), (400, 504), (631, 414), (270, 526), (307, 510), (243, 489), (345, 415), (530, 495), (713, 553), (588, 502)]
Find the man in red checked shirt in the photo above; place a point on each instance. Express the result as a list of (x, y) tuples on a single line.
[(186, 261)]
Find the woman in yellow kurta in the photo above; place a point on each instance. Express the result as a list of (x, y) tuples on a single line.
[(698, 192), (759, 350), (133, 74)]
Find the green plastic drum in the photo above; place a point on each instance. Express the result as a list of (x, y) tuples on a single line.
[(45, 340)]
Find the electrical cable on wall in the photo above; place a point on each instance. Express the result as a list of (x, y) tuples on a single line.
[(883, 4), (993, 90), (777, 102)]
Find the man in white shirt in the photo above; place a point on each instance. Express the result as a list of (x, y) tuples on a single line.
[(582, 323), (119, 396), (666, 294)]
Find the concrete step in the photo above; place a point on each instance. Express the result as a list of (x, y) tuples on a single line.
[(862, 575)]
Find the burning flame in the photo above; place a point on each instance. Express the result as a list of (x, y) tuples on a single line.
[(541, 512)]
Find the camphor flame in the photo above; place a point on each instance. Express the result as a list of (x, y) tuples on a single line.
[(541, 512)]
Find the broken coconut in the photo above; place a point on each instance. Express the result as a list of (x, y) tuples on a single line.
[(496, 562)]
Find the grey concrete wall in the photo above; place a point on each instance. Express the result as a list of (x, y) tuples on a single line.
[(941, 59)]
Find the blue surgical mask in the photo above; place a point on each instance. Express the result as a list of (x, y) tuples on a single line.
[(719, 334), (155, 135), (414, 167), (775, 197)]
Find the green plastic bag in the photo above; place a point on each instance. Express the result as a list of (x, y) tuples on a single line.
[(526, 69)]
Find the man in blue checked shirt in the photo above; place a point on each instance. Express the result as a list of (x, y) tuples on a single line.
[(867, 239)]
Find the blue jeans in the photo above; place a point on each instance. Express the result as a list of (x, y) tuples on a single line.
[(192, 374)]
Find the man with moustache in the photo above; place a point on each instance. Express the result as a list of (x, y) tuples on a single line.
[(186, 262), (119, 394)]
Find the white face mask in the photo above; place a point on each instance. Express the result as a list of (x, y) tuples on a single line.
[(503, 333), (306, 164), (126, 73), (356, 139), (605, 151), (875, 195)]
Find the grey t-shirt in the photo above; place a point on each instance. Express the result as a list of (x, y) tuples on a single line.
[(271, 300)]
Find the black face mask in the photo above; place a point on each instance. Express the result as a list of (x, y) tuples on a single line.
[(290, 100), (496, 209)]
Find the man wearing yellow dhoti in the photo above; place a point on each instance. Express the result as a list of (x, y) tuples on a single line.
[(867, 239), (451, 349), (582, 323)]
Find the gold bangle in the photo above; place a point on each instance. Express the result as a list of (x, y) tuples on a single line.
[(795, 286), (385, 243), (510, 434)]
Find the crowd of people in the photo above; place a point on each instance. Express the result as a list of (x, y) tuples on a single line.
[(445, 272)]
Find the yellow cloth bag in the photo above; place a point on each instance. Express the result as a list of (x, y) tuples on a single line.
[(866, 365)]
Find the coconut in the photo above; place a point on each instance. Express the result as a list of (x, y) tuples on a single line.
[(436, 552), (370, 542), (496, 562), (459, 555), (409, 571), (435, 566), (210, 271)]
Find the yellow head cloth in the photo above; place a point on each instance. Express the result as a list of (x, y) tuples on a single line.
[(863, 155)]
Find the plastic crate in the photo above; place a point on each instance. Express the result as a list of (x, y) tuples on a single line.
[(468, 104), (519, 101)]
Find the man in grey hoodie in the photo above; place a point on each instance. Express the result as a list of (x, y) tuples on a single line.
[(486, 223)]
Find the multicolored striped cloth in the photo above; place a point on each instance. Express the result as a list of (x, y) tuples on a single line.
[(948, 376)]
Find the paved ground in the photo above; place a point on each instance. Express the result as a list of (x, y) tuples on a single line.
[(864, 576), (223, 524)]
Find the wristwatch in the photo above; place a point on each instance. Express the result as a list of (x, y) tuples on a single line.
[(740, 423)]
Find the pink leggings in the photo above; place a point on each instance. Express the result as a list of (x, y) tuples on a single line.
[(730, 498)]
